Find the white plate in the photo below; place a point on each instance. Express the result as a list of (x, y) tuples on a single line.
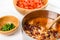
[(7, 8)]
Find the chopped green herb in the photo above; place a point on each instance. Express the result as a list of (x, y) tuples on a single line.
[(8, 27)]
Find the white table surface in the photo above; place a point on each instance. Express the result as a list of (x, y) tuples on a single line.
[(7, 8)]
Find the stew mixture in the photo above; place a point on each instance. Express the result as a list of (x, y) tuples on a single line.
[(36, 28)]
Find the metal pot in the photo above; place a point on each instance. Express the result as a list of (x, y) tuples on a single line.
[(34, 14)]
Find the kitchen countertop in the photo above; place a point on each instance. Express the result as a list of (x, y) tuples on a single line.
[(7, 8)]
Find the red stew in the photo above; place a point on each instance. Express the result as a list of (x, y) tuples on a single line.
[(30, 4)]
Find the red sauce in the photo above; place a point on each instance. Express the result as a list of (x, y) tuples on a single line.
[(30, 4)]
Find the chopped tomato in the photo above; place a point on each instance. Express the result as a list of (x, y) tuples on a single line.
[(30, 4)]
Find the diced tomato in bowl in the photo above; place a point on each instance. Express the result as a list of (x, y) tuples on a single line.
[(26, 6)]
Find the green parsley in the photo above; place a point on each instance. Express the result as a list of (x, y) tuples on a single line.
[(8, 27)]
